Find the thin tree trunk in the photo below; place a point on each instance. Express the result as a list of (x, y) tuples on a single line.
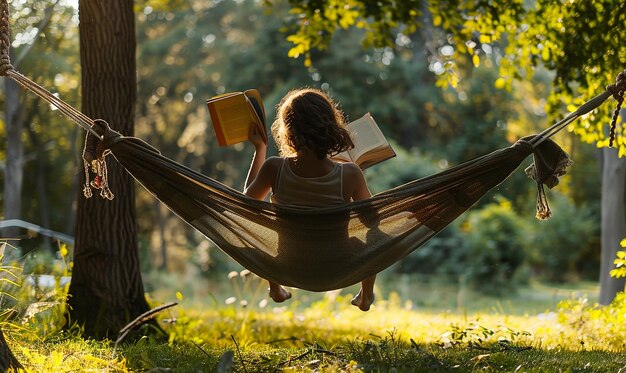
[(70, 223), (161, 218), (42, 195), (106, 291), (613, 180), (13, 174)]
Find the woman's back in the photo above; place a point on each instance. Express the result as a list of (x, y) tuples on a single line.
[(316, 191)]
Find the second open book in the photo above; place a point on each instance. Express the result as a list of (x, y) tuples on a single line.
[(232, 115), (370, 145)]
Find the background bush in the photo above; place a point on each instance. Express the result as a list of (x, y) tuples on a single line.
[(494, 247), (561, 248)]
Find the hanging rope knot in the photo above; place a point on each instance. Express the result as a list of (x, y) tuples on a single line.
[(5, 65), (5, 39), (617, 90), (94, 159), (550, 163)]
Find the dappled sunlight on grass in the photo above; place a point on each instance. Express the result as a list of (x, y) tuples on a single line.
[(332, 321), (417, 326), (330, 334)]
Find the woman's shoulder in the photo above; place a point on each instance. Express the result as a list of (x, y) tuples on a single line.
[(272, 164), (350, 167), (274, 161), (351, 170)]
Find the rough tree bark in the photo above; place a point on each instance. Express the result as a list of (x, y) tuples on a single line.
[(613, 180), (106, 291)]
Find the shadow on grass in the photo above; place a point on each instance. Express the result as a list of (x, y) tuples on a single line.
[(386, 354)]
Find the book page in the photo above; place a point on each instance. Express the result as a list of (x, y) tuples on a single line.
[(366, 136), (235, 120), (342, 157)]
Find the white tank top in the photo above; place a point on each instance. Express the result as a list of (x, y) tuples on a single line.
[(294, 190)]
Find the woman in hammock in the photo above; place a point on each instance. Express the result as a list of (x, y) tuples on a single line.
[(309, 128)]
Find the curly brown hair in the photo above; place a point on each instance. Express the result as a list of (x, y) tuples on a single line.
[(309, 119)]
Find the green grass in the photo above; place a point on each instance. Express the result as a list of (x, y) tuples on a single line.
[(322, 332)]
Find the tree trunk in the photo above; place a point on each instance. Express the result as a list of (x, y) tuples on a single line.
[(42, 195), (7, 359), (613, 178), (106, 291), (14, 158)]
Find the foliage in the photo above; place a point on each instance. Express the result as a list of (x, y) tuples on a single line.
[(620, 262), (478, 336), (405, 167), (576, 40), (494, 247), (594, 324), (558, 248), (45, 294), (441, 255), (37, 300), (8, 274), (315, 22)]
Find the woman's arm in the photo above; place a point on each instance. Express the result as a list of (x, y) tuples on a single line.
[(262, 173), (356, 180), (260, 151)]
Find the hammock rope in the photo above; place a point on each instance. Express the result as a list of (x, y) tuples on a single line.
[(314, 249)]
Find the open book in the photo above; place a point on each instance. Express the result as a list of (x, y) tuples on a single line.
[(370, 145), (233, 113)]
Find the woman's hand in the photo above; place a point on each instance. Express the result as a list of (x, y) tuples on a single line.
[(254, 136)]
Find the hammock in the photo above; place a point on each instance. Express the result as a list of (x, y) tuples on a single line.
[(324, 248), (314, 249)]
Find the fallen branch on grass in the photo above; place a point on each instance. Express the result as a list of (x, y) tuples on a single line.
[(140, 320)]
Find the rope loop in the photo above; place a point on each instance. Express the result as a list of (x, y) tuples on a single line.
[(94, 157), (5, 38), (617, 91)]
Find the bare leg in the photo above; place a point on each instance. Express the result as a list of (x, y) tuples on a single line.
[(278, 293), (365, 297)]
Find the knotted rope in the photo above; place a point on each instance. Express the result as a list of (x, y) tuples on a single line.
[(617, 91), (5, 39)]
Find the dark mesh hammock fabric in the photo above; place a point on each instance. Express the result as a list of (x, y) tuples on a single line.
[(324, 248)]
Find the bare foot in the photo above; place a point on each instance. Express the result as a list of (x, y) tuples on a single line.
[(279, 294), (363, 302)]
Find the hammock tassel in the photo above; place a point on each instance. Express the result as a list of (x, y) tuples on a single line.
[(550, 163), (94, 157), (543, 209)]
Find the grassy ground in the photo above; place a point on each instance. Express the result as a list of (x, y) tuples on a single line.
[(422, 328)]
